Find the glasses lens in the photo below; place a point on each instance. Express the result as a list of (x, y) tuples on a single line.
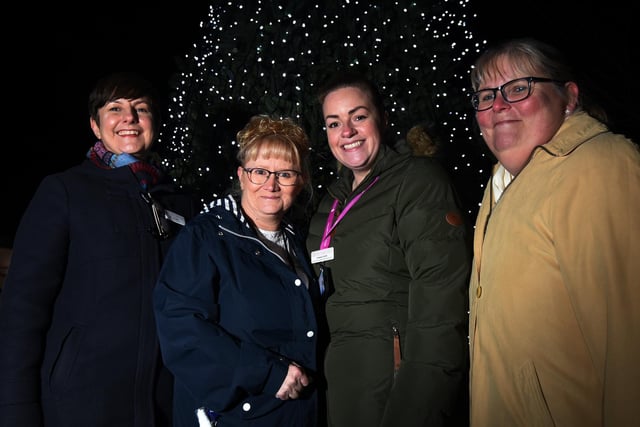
[(258, 176), (483, 99), (516, 90), (287, 177)]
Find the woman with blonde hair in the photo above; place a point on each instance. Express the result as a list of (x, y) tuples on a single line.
[(236, 297)]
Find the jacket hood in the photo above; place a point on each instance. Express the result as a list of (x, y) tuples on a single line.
[(229, 210)]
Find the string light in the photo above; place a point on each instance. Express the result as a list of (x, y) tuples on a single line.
[(264, 56)]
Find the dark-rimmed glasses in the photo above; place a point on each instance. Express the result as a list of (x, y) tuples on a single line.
[(260, 176), (512, 91)]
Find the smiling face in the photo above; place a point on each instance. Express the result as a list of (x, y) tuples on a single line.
[(125, 126), (267, 203), (353, 129), (513, 130)]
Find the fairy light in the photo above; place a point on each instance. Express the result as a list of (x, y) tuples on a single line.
[(268, 56)]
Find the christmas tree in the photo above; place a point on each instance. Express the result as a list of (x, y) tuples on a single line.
[(256, 57)]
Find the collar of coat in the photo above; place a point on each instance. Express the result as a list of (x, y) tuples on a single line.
[(577, 129), (386, 158), (232, 206)]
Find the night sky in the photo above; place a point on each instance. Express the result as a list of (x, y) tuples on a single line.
[(51, 79)]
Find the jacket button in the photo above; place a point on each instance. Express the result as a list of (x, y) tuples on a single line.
[(246, 407), (310, 334), (478, 291), (298, 282)]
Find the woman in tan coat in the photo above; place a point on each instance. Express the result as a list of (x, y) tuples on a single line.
[(555, 287)]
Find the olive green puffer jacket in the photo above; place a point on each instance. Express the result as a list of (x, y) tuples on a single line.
[(402, 262)]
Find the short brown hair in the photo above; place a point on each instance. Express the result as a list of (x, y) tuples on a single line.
[(127, 85)]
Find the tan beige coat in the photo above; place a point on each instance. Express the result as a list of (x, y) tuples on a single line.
[(555, 287)]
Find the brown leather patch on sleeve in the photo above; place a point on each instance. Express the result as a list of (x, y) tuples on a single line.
[(453, 218)]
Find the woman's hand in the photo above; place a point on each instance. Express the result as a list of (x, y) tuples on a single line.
[(293, 384)]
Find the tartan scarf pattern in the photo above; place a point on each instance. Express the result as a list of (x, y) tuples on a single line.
[(146, 173)]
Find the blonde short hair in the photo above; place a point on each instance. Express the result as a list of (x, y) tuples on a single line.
[(274, 137)]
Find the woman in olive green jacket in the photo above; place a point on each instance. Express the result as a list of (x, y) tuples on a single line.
[(390, 235)]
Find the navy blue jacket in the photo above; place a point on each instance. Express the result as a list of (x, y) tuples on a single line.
[(231, 316), (78, 343)]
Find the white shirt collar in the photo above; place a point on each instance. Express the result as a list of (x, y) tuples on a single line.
[(500, 181)]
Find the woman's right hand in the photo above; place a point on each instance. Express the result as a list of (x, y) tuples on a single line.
[(293, 384)]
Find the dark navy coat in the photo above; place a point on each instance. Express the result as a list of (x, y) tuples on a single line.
[(231, 316), (78, 343)]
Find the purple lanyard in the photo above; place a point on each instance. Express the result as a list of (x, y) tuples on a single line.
[(328, 228)]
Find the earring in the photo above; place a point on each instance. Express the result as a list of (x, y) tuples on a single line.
[(567, 112)]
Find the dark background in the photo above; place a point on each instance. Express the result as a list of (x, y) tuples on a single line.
[(52, 61)]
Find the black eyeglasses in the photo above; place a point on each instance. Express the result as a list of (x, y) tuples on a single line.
[(512, 91), (259, 176)]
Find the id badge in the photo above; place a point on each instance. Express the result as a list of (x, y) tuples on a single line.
[(174, 217), (322, 255)]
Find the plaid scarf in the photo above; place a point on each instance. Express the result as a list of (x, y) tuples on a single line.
[(147, 174)]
